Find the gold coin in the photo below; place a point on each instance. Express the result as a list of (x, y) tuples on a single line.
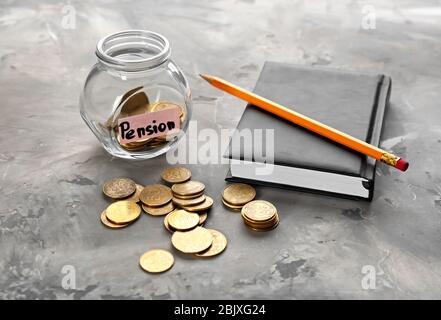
[(261, 224), (268, 228), (109, 223), (159, 211), (119, 188), (134, 104), (135, 196), (176, 174), (122, 212), (188, 188), (156, 261), (207, 204), (230, 206), (156, 195), (239, 194), (202, 218), (167, 226), (164, 105), (193, 196), (188, 202), (259, 210), (193, 241), (219, 244), (182, 220)]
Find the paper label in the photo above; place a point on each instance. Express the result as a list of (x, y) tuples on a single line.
[(149, 125)]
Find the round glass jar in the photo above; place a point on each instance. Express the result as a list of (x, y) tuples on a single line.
[(134, 76)]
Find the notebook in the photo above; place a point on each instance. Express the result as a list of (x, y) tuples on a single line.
[(352, 102)]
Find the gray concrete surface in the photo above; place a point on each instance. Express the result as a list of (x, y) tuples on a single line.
[(52, 167)]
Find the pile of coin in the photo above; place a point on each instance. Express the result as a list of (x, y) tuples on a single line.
[(135, 102), (260, 215), (185, 224), (190, 196), (236, 195), (157, 200), (125, 210)]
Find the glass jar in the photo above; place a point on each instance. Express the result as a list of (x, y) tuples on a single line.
[(134, 76)]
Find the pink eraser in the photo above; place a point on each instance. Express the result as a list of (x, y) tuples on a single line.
[(402, 165)]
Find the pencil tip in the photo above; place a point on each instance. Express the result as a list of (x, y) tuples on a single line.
[(204, 76)]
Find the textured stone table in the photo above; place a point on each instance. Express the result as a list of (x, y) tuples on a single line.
[(52, 167)]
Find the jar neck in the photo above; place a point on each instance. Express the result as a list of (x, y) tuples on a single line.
[(133, 50)]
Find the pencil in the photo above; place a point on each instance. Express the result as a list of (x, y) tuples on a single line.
[(308, 123)]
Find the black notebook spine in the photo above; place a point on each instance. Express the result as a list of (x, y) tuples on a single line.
[(377, 120)]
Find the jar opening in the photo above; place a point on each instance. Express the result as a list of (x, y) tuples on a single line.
[(133, 50)]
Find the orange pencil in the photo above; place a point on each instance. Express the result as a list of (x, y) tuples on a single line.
[(308, 123)]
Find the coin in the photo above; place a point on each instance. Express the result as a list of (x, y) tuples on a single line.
[(259, 210), (188, 202), (122, 212), (109, 223), (182, 220), (156, 261), (193, 196), (207, 204), (267, 228), (230, 206), (134, 104), (135, 196), (167, 226), (119, 188), (156, 195), (202, 218), (176, 174), (163, 105), (219, 244), (188, 188), (158, 211), (193, 241), (239, 194)]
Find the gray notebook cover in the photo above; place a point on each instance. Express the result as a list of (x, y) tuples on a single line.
[(351, 102)]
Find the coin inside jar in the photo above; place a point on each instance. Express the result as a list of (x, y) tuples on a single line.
[(122, 212), (193, 241), (156, 195), (176, 174), (119, 188), (238, 194), (156, 261), (182, 220)]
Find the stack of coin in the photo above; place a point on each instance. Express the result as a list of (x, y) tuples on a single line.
[(190, 196), (136, 102), (170, 227), (236, 195), (125, 192), (260, 215), (120, 214), (157, 200)]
